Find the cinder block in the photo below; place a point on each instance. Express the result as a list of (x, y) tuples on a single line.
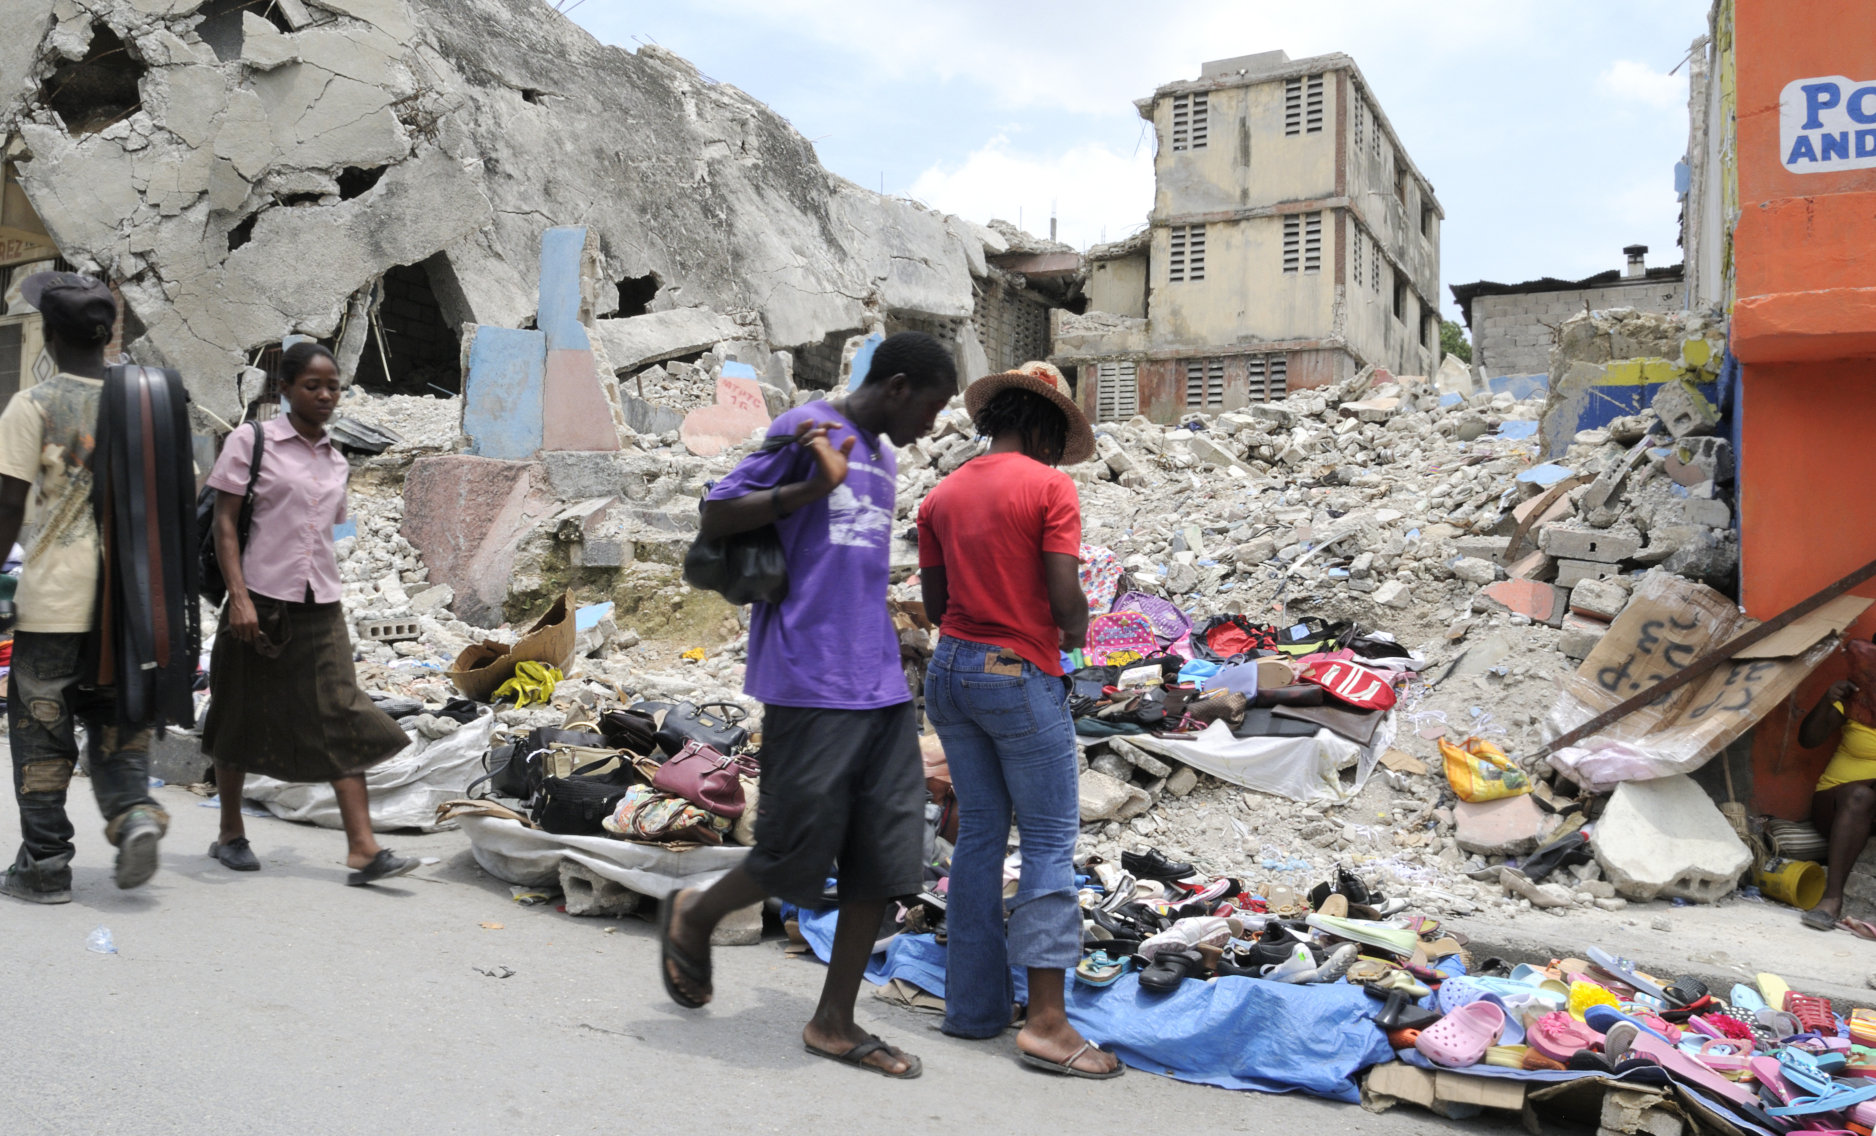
[(589, 893), (1570, 573), (1685, 411), (390, 630), (1599, 599), (740, 928), (1568, 541), (1694, 460)]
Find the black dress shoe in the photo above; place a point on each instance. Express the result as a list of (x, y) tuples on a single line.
[(1153, 865)]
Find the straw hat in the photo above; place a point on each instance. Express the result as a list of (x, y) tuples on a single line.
[(1045, 380)]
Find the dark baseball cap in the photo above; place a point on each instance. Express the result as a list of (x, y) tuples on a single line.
[(77, 309)]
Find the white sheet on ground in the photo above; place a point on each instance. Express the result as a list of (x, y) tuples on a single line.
[(1302, 769), (518, 855), (405, 790)]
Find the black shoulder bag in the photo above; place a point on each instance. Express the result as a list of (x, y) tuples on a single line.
[(214, 587), (745, 567)]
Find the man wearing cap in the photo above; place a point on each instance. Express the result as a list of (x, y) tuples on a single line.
[(46, 445)]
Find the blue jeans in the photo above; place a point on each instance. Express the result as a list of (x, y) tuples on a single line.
[(1010, 742)]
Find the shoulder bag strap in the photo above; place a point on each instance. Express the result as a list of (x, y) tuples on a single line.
[(245, 520)]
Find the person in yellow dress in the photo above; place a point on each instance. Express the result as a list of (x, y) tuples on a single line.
[(1844, 807)]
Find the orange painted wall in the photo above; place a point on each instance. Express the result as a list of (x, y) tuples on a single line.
[(1804, 326)]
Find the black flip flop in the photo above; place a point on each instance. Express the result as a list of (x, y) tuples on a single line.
[(383, 866), (858, 1054), (1068, 1068), (669, 953)]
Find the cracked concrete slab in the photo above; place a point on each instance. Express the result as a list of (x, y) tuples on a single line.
[(491, 125)]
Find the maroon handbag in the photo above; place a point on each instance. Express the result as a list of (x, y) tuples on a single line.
[(706, 779)]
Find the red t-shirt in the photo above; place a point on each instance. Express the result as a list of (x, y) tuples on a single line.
[(987, 525)]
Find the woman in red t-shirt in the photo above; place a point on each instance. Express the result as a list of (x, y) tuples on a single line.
[(999, 544)]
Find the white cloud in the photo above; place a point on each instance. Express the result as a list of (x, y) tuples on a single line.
[(1098, 193), (1643, 86)]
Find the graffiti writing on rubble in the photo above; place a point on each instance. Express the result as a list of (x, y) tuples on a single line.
[(1827, 124), (740, 395), (1662, 647), (1745, 680)]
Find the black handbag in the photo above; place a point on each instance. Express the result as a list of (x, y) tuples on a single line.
[(631, 730), (577, 804), (746, 567), (684, 723), (517, 773)]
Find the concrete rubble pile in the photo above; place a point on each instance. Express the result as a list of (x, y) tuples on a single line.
[(1380, 501)]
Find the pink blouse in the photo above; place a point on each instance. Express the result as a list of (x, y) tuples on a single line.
[(299, 497)]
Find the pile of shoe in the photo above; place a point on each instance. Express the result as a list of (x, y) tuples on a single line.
[(1772, 1056), (1156, 915)]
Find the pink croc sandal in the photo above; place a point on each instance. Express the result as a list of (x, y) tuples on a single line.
[(1461, 1038), (1557, 1035)]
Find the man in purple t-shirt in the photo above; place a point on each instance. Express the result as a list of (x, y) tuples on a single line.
[(842, 780)]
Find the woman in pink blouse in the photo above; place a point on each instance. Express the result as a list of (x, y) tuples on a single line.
[(286, 702)]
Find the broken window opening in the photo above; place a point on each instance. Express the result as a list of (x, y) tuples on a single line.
[(98, 90), (292, 199), (1186, 253), (947, 330), (1266, 377), (220, 26), (817, 365), (242, 233), (635, 296), (357, 181), (412, 347)]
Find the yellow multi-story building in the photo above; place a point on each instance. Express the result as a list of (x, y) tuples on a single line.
[(1292, 242)]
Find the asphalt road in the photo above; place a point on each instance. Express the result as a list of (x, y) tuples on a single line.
[(285, 1002)]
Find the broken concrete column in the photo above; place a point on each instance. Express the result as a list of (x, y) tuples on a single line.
[(1567, 540), (1666, 838), (468, 516)]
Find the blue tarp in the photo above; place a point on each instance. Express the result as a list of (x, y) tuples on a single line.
[(1236, 1033)]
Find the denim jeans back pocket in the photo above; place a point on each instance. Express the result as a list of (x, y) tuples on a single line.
[(998, 704)]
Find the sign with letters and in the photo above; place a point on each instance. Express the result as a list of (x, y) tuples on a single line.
[(1827, 125)]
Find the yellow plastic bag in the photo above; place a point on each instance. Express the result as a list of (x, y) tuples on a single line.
[(1480, 771), (533, 682)]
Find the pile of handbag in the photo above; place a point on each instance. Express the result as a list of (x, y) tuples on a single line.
[(656, 773), (1310, 676)]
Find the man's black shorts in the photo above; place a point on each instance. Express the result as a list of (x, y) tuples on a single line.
[(840, 789)]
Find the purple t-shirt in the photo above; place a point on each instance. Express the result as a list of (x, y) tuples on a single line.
[(830, 645)]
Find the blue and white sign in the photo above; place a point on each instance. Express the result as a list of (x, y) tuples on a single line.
[(1827, 125)]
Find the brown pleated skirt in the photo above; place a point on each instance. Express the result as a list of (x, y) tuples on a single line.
[(289, 707)]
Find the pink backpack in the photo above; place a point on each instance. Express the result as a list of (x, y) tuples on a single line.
[(1119, 631)]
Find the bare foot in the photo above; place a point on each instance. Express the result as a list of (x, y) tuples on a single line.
[(1055, 1045), (691, 944), (888, 1060)]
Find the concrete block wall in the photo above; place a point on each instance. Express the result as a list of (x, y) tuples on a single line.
[(1513, 335)]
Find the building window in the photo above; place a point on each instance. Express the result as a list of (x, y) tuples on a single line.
[(1116, 391), (1302, 105), (1429, 330), (1355, 251), (1267, 377), (1187, 259), (1302, 242), (1400, 298), (1426, 221), (1374, 265), (1190, 122), (1361, 112), (1400, 179), (1205, 383)]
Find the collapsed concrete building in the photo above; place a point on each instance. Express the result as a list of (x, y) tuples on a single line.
[(377, 174), (1514, 326), (1292, 242)]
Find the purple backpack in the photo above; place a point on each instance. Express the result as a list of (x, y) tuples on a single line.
[(1169, 623)]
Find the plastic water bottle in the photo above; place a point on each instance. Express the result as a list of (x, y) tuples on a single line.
[(101, 942)]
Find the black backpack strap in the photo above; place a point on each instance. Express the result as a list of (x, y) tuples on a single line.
[(244, 523)]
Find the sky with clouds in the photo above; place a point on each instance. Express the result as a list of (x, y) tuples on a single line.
[(1549, 131)]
